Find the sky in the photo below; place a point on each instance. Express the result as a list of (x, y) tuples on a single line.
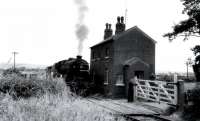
[(44, 31)]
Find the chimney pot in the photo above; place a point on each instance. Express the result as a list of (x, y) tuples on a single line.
[(78, 57), (118, 19), (122, 19), (107, 25)]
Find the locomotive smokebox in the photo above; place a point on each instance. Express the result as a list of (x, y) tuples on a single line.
[(79, 57)]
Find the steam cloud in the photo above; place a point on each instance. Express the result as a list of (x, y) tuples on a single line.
[(81, 28)]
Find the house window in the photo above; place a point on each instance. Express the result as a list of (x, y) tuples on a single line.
[(99, 55), (119, 81), (93, 55), (107, 52), (106, 76), (93, 75)]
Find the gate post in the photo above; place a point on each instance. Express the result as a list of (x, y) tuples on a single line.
[(180, 95), (130, 92), (134, 89)]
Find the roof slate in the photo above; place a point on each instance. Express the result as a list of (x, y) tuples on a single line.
[(115, 37)]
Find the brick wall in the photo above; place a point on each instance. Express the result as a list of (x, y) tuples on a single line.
[(100, 63)]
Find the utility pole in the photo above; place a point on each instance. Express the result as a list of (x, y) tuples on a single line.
[(126, 10), (188, 63), (14, 53)]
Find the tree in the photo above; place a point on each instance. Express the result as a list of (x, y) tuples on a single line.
[(196, 66), (196, 51), (190, 26)]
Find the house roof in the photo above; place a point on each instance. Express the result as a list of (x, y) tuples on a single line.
[(115, 37), (134, 60), (104, 41)]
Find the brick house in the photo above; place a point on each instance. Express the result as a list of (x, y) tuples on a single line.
[(120, 57)]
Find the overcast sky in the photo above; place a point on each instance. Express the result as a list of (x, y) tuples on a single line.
[(44, 31)]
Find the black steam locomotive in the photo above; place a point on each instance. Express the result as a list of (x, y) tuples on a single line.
[(75, 71)]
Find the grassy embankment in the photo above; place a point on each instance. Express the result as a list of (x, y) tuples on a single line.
[(47, 100)]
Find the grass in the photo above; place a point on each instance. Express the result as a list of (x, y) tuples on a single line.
[(55, 103)]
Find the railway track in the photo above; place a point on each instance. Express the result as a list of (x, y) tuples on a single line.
[(128, 116)]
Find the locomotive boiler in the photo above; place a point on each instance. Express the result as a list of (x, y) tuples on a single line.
[(75, 72)]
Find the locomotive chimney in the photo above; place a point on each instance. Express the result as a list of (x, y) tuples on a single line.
[(78, 57)]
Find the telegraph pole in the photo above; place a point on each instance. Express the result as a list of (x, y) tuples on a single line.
[(188, 63), (126, 10), (14, 53)]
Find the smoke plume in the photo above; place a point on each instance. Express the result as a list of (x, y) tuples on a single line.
[(81, 28)]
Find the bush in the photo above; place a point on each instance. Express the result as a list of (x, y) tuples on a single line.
[(18, 86), (54, 103), (51, 108), (192, 112)]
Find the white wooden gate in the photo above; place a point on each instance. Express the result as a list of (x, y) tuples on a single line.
[(157, 91)]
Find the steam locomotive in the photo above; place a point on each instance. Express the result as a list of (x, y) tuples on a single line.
[(75, 72)]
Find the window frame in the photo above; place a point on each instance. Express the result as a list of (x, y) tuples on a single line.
[(106, 80), (107, 52), (120, 80)]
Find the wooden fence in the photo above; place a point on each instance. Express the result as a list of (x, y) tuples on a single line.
[(159, 91), (156, 91)]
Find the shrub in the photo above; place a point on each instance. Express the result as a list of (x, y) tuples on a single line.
[(54, 103), (51, 108), (192, 112), (18, 86)]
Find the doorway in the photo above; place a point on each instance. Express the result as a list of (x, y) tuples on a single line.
[(139, 74)]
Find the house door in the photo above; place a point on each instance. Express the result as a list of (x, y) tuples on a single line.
[(139, 74)]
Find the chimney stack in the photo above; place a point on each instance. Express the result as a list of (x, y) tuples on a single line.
[(108, 31), (120, 26)]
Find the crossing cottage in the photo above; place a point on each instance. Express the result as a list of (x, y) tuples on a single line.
[(120, 57)]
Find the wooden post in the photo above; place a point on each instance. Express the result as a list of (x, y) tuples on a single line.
[(134, 89), (175, 79), (159, 93), (147, 90), (180, 95)]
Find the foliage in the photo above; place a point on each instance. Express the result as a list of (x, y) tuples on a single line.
[(61, 105), (192, 112), (190, 26), (11, 71), (19, 87)]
